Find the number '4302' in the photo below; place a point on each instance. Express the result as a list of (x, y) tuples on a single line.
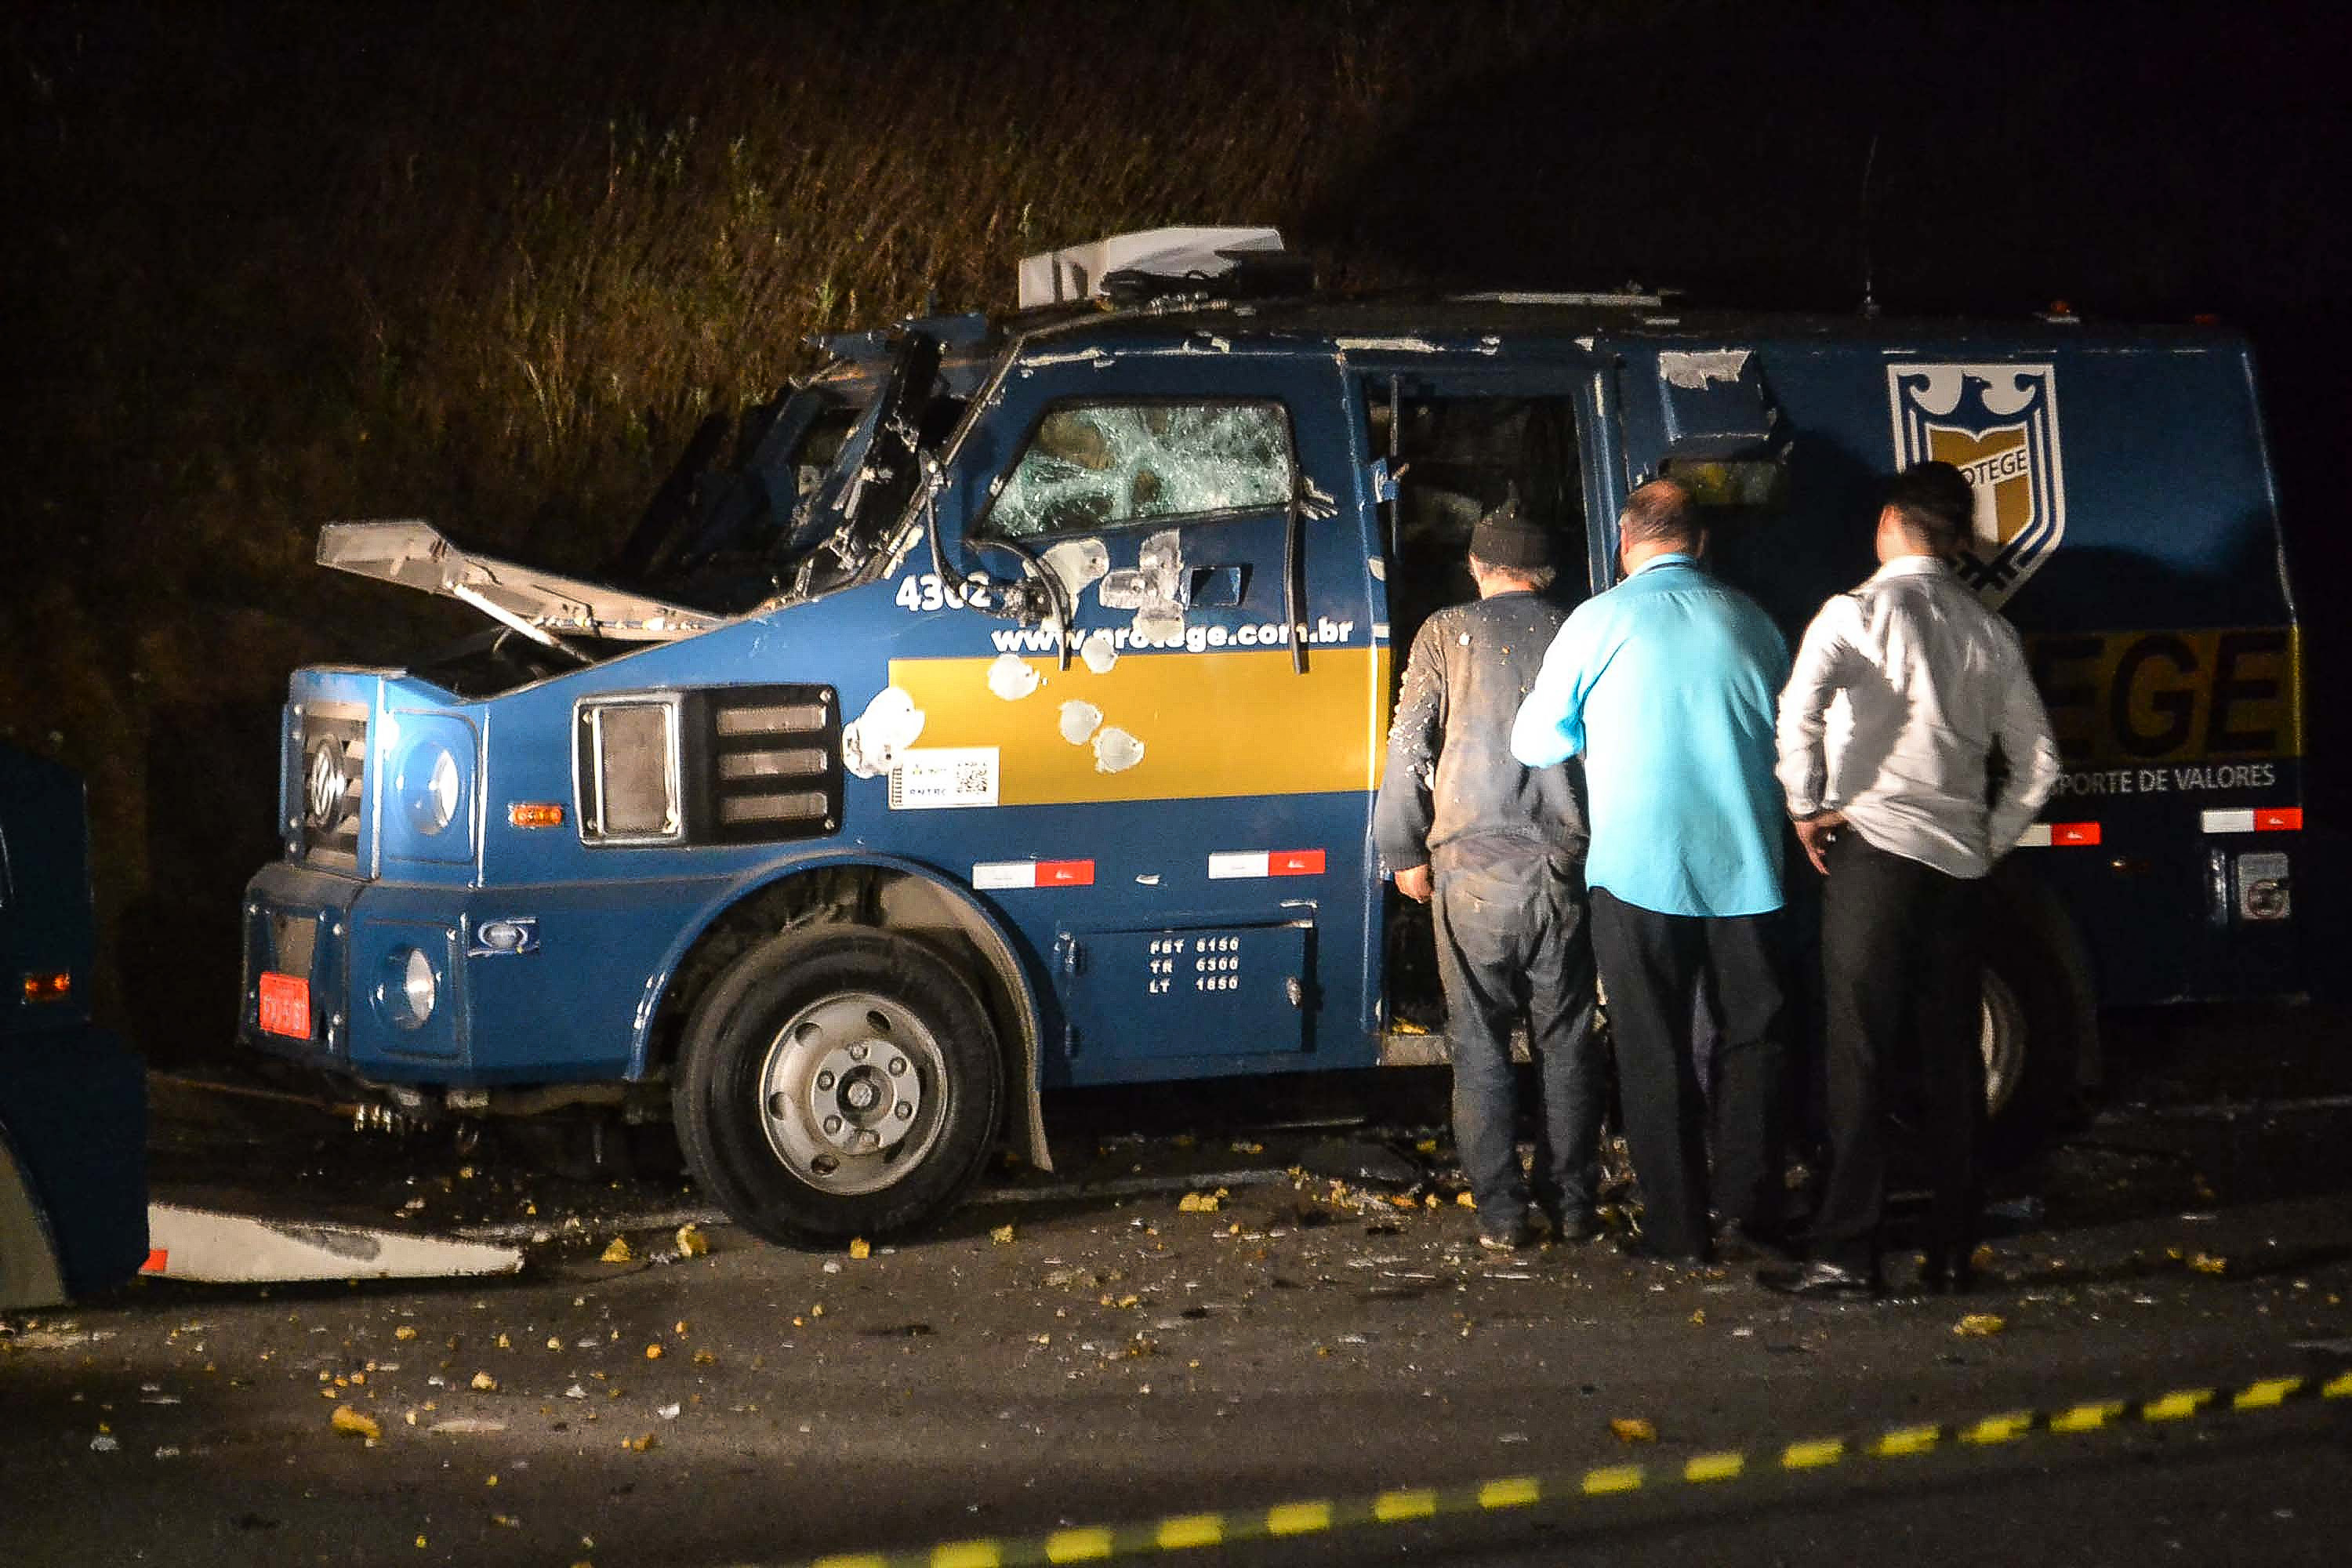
[(927, 593)]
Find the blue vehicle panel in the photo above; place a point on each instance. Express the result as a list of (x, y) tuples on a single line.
[(1066, 652), (73, 1098)]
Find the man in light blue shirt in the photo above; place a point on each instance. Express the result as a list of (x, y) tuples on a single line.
[(1667, 685)]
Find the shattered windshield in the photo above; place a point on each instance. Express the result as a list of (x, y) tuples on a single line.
[(1098, 465)]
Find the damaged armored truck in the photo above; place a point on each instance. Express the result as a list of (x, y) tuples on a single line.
[(1005, 712)]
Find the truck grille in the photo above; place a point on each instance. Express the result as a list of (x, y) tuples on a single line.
[(330, 790), (771, 760)]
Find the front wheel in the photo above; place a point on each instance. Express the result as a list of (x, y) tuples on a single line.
[(837, 1083)]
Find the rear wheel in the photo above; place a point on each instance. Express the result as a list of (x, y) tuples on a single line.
[(837, 1083), (2032, 1016)]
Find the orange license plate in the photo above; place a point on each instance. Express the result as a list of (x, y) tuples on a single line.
[(286, 1006)]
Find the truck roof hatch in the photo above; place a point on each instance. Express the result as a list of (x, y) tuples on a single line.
[(1077, 272)]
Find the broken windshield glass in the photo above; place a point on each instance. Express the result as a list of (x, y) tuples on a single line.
[(1098, 465)]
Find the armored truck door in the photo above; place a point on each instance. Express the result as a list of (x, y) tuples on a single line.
[(1183, 782)]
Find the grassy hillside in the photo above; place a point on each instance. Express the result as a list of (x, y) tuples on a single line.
[(490, 265)]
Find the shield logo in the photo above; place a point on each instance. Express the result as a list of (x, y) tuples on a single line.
[(1998, 424)]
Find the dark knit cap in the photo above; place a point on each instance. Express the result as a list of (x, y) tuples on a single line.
[(1505, 538)]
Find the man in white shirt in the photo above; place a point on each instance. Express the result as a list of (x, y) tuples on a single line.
[(1902, 694)]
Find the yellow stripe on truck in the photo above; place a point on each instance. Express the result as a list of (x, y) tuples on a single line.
[(1211, 724)]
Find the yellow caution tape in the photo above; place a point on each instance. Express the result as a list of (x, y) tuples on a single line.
[(1179, 1533)]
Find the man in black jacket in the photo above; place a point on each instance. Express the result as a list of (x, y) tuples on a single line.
[(1499, 846)]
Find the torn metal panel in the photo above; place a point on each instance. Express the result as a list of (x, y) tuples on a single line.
[(1094, 356), (414, 554), (1078, 562), (1080, 719), (1116, 751), (870, 743), (1698, 369), (1715, 402), (1154, 588), (229, 1248), (1013, 677), (1387, 345)]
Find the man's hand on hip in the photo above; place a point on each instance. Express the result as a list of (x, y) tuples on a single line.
[(1414, 883), (1815, 832)]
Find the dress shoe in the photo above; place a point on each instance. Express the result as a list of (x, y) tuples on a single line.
[(1640, 1249), (1736, 1241), (1574, 1227), (1512, 1238), (1820, 1280), (1940, 1276)]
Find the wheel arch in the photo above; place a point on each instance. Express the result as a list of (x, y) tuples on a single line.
[(887, 892)]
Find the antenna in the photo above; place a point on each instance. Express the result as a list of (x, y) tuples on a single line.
[(1869, 294)]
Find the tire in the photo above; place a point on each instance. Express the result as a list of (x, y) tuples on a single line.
[(835, 1083), (2034, 1015)]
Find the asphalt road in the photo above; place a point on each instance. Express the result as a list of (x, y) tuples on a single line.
[(1116, 1360)]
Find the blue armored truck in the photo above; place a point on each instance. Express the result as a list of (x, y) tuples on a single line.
[(1007, 713), (73, 1098)]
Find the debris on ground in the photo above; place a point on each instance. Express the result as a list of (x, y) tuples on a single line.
[(1360, 1160), (618, 1251), (1002, 1235), (691, 1242), (346, 1419), (1632, 1429), (1980, 1325)]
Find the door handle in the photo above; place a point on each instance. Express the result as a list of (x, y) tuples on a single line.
[(1216, 587)]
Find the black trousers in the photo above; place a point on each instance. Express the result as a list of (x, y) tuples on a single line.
[(1650, 964), (1901, 951)]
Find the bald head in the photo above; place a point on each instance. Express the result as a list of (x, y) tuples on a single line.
[(1659, 519)]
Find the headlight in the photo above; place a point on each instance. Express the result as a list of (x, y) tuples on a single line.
[(409, 989), (432, 787), (431, 765), (629, 771)]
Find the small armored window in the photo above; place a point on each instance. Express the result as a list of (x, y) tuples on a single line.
[(1092, 466)]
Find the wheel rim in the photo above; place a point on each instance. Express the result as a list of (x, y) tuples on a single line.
[(852, 1092), (2001, 1037)]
